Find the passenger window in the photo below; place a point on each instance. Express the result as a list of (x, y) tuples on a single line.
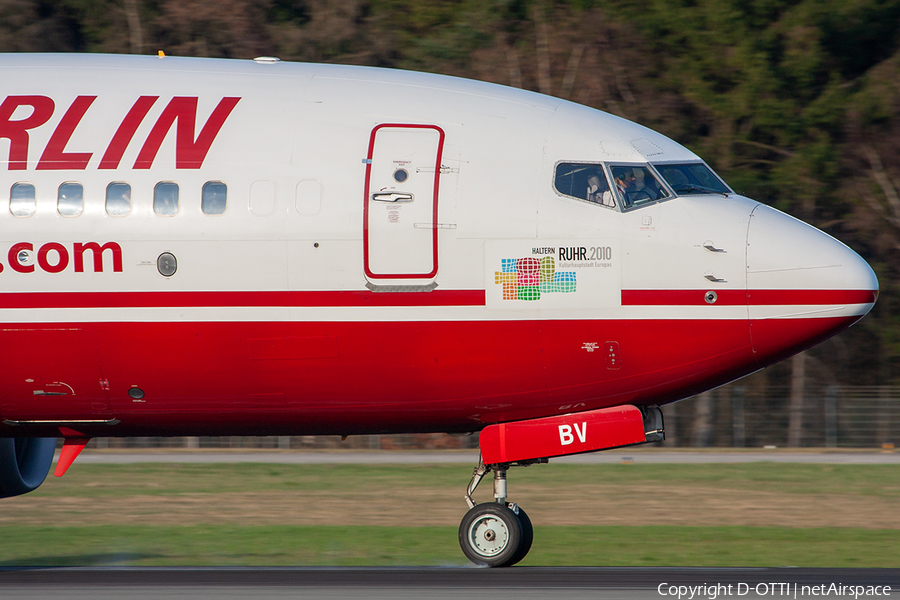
[(21, 200), (70, 200), (637, 185), (214, 198), (585, 182), (165, 198), (118, 199)]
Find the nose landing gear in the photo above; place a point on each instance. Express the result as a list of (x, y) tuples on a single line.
[(495, 534), (499, 534)]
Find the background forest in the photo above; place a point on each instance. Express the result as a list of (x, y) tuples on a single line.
[(795, 103)]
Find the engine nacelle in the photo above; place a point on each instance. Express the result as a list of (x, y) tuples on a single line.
[(24, 463)]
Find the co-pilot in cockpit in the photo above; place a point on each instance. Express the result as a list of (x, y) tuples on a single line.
[(585, 182), (598, 190)]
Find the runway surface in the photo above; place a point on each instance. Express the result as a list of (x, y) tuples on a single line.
[(471, 457), (447, 583)]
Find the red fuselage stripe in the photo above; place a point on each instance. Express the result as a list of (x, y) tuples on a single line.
[(230, 299), (681, 297), (29, 300), (751, 297)]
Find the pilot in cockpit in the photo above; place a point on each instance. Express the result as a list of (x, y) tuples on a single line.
[(640, 184)]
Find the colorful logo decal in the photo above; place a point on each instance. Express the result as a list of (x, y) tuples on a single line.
[(528, 278)]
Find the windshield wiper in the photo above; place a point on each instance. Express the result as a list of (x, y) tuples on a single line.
[(696, 188)]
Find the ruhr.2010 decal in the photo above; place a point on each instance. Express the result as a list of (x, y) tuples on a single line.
[(528, 277), (552, 274)]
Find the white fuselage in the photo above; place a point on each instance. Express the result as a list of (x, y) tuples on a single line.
[(332, 293)]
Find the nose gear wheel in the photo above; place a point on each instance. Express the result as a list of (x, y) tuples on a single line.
[(490, 534)]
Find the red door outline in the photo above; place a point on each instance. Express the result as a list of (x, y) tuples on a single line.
[(434, 216)]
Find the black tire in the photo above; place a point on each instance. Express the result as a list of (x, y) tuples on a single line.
[(491, 534), (527, 537)]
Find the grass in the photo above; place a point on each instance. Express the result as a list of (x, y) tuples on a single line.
[(174, 479), (162, 515), (201, 545)]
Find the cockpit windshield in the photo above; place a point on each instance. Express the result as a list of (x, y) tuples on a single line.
[(694, 178), (637, 185)]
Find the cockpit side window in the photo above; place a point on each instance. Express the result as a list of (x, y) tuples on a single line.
[(637, 185), (693, 178), (584, 181)]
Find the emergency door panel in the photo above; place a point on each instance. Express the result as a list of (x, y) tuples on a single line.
[(401, 204)]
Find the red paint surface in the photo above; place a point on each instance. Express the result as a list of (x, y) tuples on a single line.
[(777, 339), (189, 152), (271, 378), (55, 157), (562, 435), (124, 134), (72, 447), (752, 297), (180, 112), (212, 378), (17, 131), (366, 298), (225, 299)]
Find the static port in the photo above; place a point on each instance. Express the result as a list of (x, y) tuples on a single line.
[(136, 393)]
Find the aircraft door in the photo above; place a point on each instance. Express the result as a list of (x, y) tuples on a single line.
[(400, 235)]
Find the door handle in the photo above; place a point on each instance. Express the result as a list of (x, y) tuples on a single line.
[(391, 197)]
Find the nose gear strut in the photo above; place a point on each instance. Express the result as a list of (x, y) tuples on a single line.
[(499, 533)]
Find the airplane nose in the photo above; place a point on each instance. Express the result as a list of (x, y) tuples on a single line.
[(803, 286)]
